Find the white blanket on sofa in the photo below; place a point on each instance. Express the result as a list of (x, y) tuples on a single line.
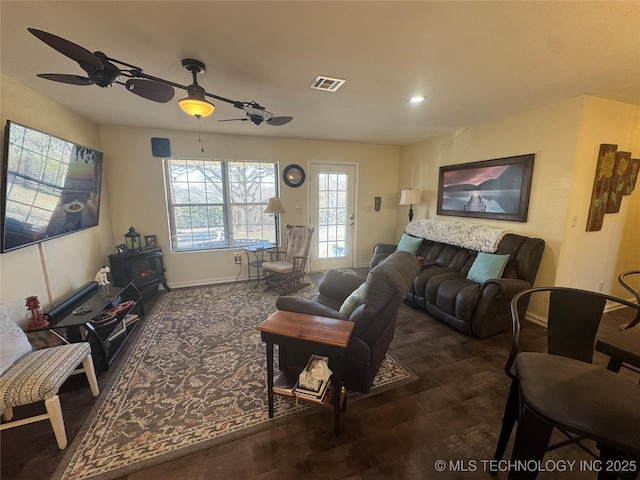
[(465, 235)]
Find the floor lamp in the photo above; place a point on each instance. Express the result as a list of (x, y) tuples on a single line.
[(275, 207), (411, 198)]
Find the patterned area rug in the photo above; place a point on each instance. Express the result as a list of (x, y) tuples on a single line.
[(196, 378)]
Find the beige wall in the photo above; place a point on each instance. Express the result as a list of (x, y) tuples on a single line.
[(136, 178), (593, 260), (565, 138), (55, 268)]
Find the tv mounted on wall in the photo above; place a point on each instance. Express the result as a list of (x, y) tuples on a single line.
[(50, 187)]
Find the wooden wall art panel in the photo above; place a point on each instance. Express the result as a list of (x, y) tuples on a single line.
[(601, 186), (618, 180)]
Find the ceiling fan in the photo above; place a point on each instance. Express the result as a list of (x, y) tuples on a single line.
[(104, 71)]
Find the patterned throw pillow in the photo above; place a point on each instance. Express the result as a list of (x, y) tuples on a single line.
[(353, 301), (13, 341), (486, 266)]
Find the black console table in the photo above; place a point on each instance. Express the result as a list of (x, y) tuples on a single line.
[(145, 268), (110, 317), (257, 261)]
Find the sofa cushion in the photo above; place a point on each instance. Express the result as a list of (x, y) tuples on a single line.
[(458, 297), (409, 243), (487, 266), (353, 301)]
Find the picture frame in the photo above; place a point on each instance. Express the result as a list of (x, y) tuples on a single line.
[(293, 175), (150, 241), (121, 249), (497, 189)]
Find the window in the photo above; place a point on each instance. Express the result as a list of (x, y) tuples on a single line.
[(219, 203), (332, 214)]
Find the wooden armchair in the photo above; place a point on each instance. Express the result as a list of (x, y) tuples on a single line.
[(286, 272)]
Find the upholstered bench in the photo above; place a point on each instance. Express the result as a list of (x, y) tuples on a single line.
[(37, 376)]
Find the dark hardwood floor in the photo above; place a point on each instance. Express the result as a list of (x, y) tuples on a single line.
[(452, 412)]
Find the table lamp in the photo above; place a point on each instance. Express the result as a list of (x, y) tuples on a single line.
[(411, 198)]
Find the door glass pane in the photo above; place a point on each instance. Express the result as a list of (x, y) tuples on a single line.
[(332, 214)]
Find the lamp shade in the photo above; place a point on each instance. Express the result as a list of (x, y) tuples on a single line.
[(274, 206), (410, 197), (195, 104), (197, 108)]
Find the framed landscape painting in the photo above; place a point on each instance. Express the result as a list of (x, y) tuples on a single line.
[(497, 189)]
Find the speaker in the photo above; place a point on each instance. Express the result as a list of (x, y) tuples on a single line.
[(160, 147)]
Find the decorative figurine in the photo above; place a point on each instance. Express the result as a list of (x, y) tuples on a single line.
[(102, 280), (37, 319)]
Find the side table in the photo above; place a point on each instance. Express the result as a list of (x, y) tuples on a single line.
[(258, 258), (321, 335)]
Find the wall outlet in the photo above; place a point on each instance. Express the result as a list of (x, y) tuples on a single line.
[(237, 257)]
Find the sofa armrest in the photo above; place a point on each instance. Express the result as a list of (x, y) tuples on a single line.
[(307, 306), (506, 287), (339, 285), (387, 248), (380, 252)]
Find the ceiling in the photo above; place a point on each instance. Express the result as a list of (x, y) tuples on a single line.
[(473, 61)]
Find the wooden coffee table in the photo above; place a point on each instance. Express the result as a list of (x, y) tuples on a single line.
[(320, 335)]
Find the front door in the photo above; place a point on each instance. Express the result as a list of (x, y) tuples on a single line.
[(332, 210)]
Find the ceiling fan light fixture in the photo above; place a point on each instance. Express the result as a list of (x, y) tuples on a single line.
[(195, 103), (197, 108)]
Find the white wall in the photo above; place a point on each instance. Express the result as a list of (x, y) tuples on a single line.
[(55, 268), (136, 178)]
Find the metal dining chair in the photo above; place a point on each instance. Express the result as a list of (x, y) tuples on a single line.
[(623, 347), (624, 280), (573, 319)]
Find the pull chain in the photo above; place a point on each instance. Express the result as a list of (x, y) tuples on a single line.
[(199, 137)]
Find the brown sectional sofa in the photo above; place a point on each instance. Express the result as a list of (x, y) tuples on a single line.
[(442, 288)]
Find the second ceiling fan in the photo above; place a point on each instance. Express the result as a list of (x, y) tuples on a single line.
[(104, 71)]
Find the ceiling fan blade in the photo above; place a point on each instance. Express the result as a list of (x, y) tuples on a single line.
[(64, 78), (278, 121), (158, 92), (233, 120), (75, 52)]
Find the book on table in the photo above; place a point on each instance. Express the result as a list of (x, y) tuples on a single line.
[(286, 382), (314, 379), (319, 397)]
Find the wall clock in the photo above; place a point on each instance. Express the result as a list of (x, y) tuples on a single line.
[(293, 175)]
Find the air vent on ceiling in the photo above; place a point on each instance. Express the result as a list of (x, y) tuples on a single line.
[(327, 83)]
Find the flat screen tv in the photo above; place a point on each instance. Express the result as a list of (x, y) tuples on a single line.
[(50, 187)]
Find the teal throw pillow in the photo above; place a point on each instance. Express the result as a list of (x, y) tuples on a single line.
[(486, 266), (353, 301), (409, 243)]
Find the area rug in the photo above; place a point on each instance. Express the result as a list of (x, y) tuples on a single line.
[(195, 379)]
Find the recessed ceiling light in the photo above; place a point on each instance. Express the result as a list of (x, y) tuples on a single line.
[(416, 99)]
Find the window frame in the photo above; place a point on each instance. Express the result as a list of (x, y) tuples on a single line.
[(253, 230)]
